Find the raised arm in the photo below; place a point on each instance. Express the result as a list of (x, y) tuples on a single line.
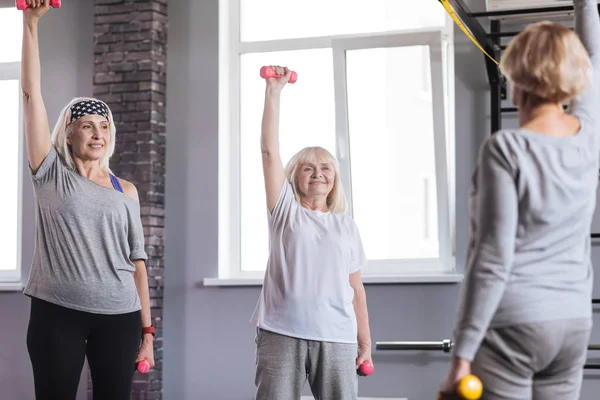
[(587, 27), (37, 130), (269, 140)]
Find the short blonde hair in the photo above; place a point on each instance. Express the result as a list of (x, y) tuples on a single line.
[(336, 200), (62, 131), (547, 62)]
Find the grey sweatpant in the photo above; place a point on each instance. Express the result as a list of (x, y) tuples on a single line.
[(283, 365), (541, 361)]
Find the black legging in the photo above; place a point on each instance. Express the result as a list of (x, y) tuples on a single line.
[(59, 339)]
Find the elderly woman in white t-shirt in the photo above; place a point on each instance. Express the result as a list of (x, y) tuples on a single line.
[(312, 314)]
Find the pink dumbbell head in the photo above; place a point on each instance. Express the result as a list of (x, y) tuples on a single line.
[(268, 72), (22, 4), (143, 366), (367, 368)]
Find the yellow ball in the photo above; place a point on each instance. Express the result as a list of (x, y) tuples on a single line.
[(470, 388)]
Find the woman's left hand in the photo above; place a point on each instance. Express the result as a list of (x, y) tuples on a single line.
[(364, 354), (458, 370), (146, 352)]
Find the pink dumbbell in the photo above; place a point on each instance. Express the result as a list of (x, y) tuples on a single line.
[(366, 368), (22, 4), (143, 366), (268, 72)]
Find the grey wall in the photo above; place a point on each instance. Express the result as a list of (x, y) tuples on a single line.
[(67, 57)]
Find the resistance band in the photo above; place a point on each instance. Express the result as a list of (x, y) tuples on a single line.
[(462, 26)]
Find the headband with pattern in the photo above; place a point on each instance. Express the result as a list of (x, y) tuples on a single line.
[(88, 107)]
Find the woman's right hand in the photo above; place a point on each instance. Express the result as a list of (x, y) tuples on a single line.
[(36, 9), (279, 83)]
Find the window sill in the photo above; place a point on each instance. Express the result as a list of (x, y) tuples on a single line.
[(11, 286), (367, 280)]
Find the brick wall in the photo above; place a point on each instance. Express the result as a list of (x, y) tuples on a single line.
[(129, 75)]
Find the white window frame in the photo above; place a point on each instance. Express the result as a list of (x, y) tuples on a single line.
[(433, 39), (440, 41), (12, 71)]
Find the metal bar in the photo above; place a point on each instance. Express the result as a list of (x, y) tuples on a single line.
[(496, 85), (495, 96), (493, 72), (524, 11), (494, 35), (514, 109), (595, 301), (591, 366), (595, 235), (445, 345)]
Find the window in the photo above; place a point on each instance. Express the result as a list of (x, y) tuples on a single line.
[(375, 85), (10, 151)]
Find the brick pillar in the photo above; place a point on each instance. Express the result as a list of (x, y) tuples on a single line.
[(129, 75)]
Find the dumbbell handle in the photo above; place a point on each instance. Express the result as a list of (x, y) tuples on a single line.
[(22, 4), (268, 72)]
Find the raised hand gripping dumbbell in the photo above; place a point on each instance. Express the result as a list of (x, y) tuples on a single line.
[(22, 4), (268, 72)]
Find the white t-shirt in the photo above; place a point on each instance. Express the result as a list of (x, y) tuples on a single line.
[(306, 291)]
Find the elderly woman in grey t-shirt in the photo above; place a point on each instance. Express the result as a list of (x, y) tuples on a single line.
[(88, 283)]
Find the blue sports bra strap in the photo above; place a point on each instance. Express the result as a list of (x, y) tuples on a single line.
[(115, 182)]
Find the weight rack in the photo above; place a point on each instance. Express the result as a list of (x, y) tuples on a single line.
[(491, 42)]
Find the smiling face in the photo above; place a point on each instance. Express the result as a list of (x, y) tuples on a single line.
[(314, 172), (315, 178), (89, 138)]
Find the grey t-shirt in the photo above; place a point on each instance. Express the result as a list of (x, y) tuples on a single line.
[(532, 202), (87, 236)]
